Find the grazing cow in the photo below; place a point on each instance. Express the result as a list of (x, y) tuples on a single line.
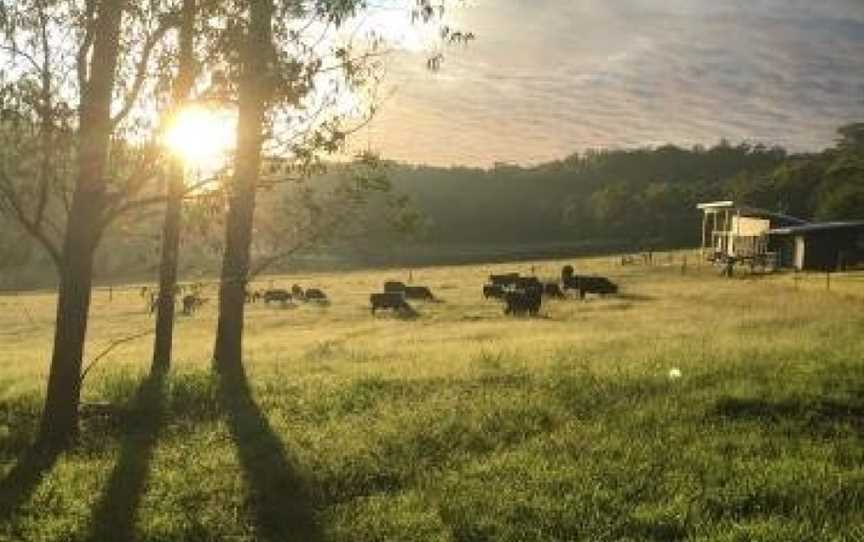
[(521, 302), (528, 283), (590, 285), (505, 280), (389, 300), (551, 289), (316, 295), (394, 287), (277, 294), (297, 291), (492, 290), (419, 292), (191, 303)]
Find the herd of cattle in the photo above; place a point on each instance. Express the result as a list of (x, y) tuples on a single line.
[(521, 295), (280, 295)]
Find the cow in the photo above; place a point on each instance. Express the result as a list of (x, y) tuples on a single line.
[(492, 290), (252, 296), (277, 294), (590, 285), (297, 291), (552, 289), (522, 302), (391, 300), (314, 294), (191, 303), (505, 280), (528, 283), (392, 287), (419, 292)]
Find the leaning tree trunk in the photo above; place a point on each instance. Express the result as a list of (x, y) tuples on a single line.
[(171, 228), (253, 97), (60, 415)]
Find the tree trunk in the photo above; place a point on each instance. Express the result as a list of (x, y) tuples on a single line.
[(162, 342), (163, 339), (60, 415), (254, 95)]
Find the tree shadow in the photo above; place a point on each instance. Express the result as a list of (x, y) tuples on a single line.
[(816, 415), (24, 478), (277, 494), (115, 514)]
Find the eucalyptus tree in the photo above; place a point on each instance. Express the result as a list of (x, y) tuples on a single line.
[(72, 75), (183, 85), (288, 69)]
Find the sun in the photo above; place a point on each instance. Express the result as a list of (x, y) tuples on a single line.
[(201, 136)]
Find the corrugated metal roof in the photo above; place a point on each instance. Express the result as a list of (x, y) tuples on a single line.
[(754, 212)]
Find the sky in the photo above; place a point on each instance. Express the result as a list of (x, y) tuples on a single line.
[(546, 78)]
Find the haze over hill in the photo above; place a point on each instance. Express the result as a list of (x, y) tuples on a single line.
[(548, 77)]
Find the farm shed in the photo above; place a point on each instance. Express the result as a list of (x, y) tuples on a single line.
[(819, 246), (739, 232)]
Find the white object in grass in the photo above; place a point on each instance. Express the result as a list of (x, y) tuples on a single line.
[(674, 374)]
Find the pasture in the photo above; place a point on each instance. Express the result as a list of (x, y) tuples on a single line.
[(462, 424)]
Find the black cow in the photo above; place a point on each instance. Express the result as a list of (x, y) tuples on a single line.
[(390, 300), (505, 280), (422, 293), (521, 302), (191, 303), (277, 294), (590, 285), (493, 290), (316, 295), (297, 291), (393, 287), (528, 283), (551, 289)]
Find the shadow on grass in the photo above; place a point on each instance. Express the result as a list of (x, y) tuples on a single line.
[(115, 513), (277, 494), (820, 414), (23, 479)]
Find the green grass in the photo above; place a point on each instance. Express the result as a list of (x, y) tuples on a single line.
[(463, 424)]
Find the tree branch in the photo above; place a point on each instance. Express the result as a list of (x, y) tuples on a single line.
[(141, 69), (114, 344), (12, 199), (86, 44)]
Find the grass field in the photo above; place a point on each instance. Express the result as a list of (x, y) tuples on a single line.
[(463, 424)]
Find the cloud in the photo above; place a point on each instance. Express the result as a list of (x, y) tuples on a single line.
[(550, 77)]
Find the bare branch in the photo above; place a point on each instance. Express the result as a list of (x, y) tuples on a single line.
[(16, 51), (112, 215), (111, 346), (141, 68), (10, 196)]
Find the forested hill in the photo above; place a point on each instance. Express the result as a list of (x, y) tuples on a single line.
[(591, 201), (633, 197)]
